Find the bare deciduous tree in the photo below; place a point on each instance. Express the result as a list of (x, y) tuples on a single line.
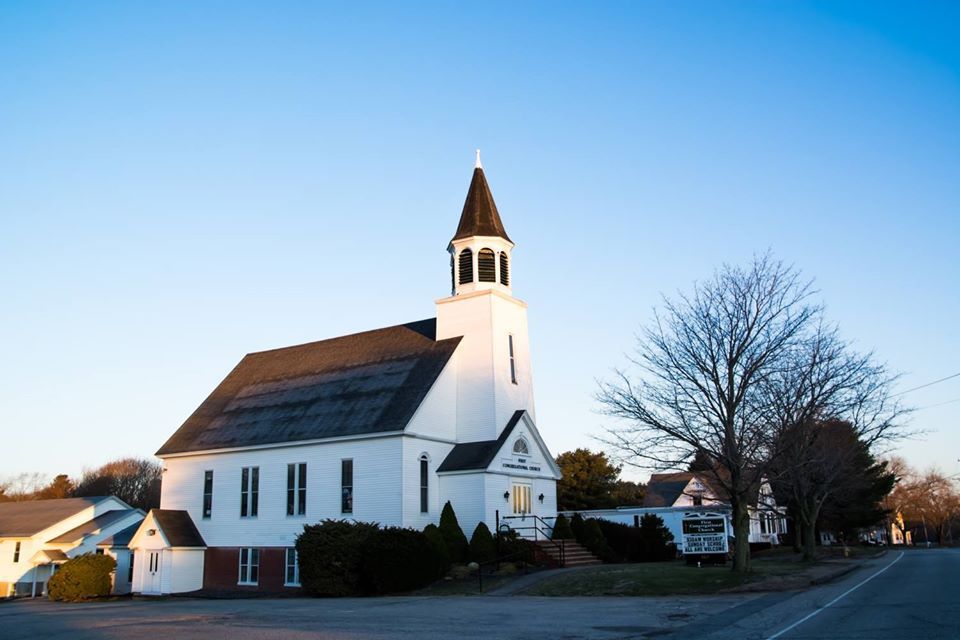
[(828, 407), (136, 481), (704, 366)]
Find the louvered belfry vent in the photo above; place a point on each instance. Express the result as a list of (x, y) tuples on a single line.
[(504, 269), (466, 266), (487, 265)]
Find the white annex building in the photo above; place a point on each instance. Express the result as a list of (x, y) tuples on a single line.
[(37, 536), (381, 426)]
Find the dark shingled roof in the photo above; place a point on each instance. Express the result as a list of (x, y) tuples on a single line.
[(364, 383), (663, 489), (470, 456), (120, 538), (92, 526), (23, 519), (480, 216), (178, 528)]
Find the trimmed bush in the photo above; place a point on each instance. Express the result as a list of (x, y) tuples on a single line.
[(561, 529), (397, 559), (482, 547), (656, 540), (456, 542), (86, 576), (594, 540), (331, 557), (511, 547), (576, 526), (439, 547)]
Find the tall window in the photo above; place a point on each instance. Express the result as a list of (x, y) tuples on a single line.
[(249, 491), (504, 269), (487, 265), (297, 489), (346, 486), (130, 568), (513, 362), (16, 552), (466, 266), (424, 484), (249, 566), (291, 576), (207, 493)]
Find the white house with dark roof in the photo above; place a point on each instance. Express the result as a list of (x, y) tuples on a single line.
[(37, 536), (383, 426)]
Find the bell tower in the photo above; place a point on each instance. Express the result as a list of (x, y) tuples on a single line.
[(493, 360), (480, 249)]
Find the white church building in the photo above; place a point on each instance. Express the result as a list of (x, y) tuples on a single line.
[(380, 426)]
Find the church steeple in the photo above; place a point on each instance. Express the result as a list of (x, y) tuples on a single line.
[(480, 249), (480, 216)]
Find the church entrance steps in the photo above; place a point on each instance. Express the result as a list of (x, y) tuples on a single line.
[(567, 553)]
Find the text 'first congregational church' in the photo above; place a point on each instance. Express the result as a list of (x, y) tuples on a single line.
[(382, 426)]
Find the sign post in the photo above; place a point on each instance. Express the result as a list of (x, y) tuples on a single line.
[(705, 537)]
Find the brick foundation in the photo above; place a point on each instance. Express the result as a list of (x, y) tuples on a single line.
[(221, 570)]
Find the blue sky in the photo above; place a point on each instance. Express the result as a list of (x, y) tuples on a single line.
[(182, 183)]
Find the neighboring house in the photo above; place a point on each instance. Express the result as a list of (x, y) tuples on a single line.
[(671, 495), (37, 536), (382, 426)]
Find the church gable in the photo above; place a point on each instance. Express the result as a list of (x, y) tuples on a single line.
[(519, 450), (365, 383)]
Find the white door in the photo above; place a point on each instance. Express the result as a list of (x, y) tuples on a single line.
[(151, 577), (521, 495)]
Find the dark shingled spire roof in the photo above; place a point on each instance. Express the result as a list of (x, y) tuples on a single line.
[(480, 216)]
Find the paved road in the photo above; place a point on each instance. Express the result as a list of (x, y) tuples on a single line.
[(916, 595)]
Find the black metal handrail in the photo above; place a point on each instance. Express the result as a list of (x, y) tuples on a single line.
[(546, 530)]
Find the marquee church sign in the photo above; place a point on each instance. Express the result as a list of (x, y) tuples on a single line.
[(704, 533)]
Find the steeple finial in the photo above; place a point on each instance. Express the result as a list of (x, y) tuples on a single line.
[(478, 165)]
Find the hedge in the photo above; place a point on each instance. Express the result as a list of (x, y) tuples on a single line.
[(397, 559), (561, 529), (456, 542), (86, 576), (331, 557), (439, 547)]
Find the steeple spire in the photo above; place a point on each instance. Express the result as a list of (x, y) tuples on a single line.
[(480, 216)]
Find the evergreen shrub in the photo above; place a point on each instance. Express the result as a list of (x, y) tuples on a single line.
[(86, 576), (397, 559), (453, 536), (561, 528), (331, 556), (482, 547)]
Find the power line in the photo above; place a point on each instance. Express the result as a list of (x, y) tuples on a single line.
[(929, 384), (939, 404)]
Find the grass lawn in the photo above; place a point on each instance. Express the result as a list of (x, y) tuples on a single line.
[(663, 578)]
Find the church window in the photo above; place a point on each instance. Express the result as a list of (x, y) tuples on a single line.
[(513, 361), (346, 486), (504, 269), (207, 494), (249, 566), (292, 573), (520, 447), (297, 489), (16, 552), (424, 484), (249, 491), (486, 265), (466, 266)]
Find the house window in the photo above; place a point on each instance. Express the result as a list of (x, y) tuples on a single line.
[(513, 362), (249, 492), (297, 489), (207, 493), (466, 266), (16, 552), (346, 486), (698, 499), (130, 568), (292, 573), (486, 265), (424, 484), (249, 566), (520, 447), (99, 552)]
